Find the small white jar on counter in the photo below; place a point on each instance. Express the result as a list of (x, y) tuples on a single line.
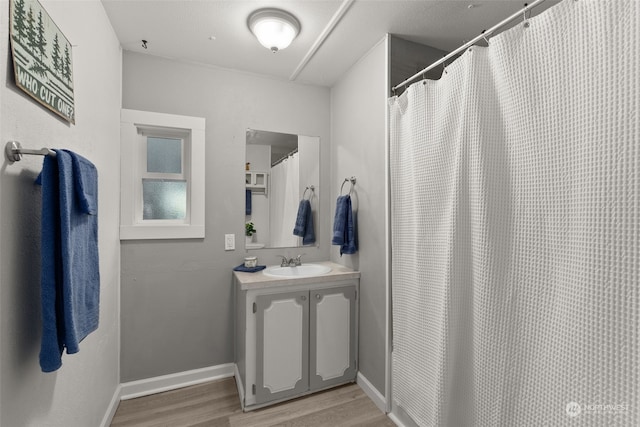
[(250, 261)]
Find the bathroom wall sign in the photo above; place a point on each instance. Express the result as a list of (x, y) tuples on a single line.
[(41, 58)]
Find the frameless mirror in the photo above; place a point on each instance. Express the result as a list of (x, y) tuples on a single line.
[(280, 171)]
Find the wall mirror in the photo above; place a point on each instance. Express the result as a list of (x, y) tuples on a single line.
[(280, 170)]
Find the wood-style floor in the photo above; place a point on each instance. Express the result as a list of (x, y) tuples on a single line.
[(217, 404)]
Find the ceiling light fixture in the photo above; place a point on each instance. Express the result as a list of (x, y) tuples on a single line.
[(275, 29)]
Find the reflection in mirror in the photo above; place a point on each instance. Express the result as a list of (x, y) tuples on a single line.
[(280, 169)]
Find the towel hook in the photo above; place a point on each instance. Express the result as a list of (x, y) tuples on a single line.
[(312, 188), (352, 180)]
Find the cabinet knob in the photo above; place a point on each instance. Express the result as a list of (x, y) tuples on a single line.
[(303, 298), (318, 296)]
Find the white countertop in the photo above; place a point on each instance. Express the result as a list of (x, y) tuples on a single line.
[(258, 280)]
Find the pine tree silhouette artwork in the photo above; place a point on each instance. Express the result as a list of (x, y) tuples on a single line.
[(19, 17), (55, 56), (31, 30), (42, 41), (39, 49), (66, 67)]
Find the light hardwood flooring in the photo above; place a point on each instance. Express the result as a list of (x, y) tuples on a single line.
[(216, 403)]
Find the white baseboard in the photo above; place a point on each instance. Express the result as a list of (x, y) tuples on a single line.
[(133, 389), (395, 419), (239, 384), (373, 393), (401, 418), (112, 408)]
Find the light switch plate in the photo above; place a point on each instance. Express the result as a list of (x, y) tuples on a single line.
[(229, 242)]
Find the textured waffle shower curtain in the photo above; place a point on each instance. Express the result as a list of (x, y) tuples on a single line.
[(515, 188), (284, 199)]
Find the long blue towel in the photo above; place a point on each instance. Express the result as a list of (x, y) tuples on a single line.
[(247, 202), (70, 277), (344, 227), (304, 223), (52, 343)]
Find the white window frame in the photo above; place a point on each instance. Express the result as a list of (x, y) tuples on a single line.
[(135, 127)]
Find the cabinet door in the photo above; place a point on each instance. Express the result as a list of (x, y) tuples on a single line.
[(332, 336), (282, 352)]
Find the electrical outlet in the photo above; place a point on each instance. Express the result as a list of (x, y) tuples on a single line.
[(229, 242)]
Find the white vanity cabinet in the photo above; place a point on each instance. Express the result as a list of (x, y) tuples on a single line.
[(294, 338)]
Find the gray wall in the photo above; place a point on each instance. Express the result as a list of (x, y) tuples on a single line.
[(177, 311), (408, 58), (79, 393), (358, 105)]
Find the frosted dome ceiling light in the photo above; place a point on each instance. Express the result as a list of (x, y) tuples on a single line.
[(275, 29)]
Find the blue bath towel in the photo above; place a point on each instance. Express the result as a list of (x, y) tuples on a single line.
[(70, 276), (304, 223), (52, 343), (344, 226), (247, 202)]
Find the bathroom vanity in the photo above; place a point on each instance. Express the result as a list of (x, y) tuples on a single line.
[(294, 335)]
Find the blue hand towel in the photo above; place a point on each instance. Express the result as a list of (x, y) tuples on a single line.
[(247, 202), (344, 226), (241, 267), (304, 223), (70, 265)]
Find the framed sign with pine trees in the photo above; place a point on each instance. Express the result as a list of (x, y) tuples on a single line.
[(42, 60)]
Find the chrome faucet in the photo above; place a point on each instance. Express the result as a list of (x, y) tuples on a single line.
[(291, 262), (285, 262)]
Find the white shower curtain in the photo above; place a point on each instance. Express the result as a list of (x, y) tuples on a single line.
[(515, 186), (283, 202)]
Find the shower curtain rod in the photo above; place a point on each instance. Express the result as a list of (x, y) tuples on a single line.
[(484, 35), (283, 158)]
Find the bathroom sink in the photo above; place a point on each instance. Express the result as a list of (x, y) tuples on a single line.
[(304, 270)]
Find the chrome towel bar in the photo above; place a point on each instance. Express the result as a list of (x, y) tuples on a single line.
[(14, 151)]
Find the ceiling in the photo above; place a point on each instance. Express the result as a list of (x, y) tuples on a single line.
[(215, 33)]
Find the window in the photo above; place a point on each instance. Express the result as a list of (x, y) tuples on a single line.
[(164, 186), (162, 176)]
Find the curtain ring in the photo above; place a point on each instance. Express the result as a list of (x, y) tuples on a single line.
[(485, 37), (524, 16)]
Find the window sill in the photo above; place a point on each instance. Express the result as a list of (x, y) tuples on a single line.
[(146, 232)]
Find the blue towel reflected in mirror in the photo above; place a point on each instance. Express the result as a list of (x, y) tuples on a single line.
[(304, 223)]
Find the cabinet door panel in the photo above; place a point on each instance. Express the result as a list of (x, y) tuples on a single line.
[(282, 345), (332, 336)]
